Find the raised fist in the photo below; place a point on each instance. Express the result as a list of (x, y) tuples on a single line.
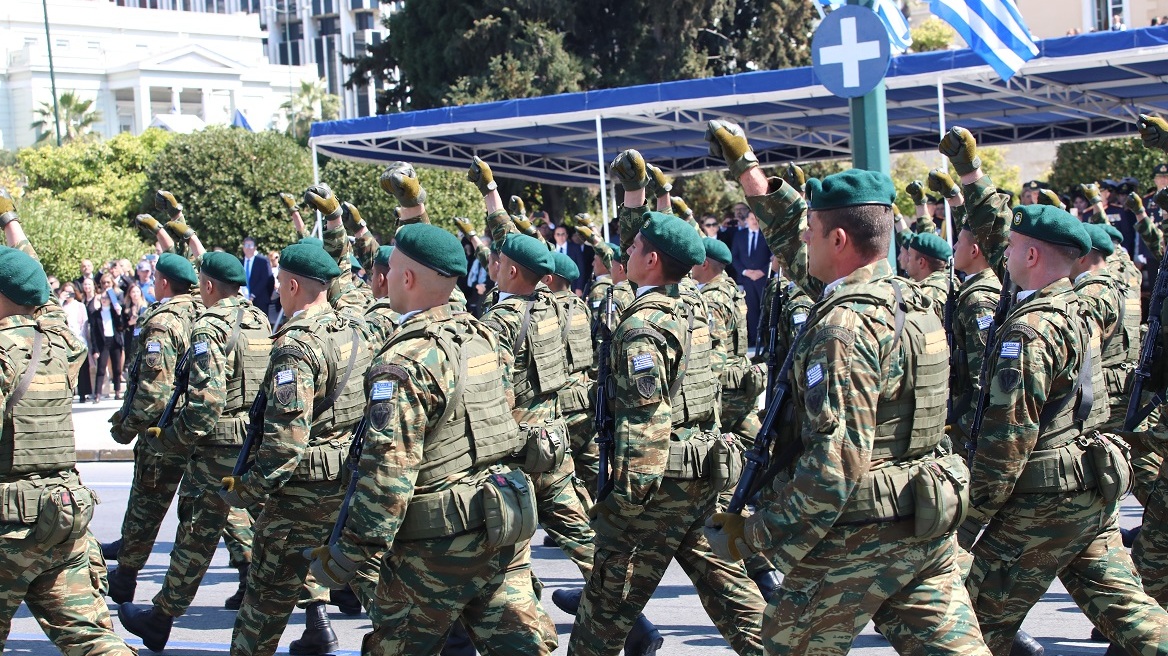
[(794, 176), (180, 230), (1090, 191), (351, 217), (148, 223), (516, 207), (659, 185), (629, 169), (916, 191), (401, 181), (7, 208), (1048, 197), (164, 201), (1154, 131), (524, 225), (960, 147), (1135, 204), (728, 143), (680, 208), (321, 198), (464, 226), (942, 183), (585, 232), (480, 174), (289, 202)]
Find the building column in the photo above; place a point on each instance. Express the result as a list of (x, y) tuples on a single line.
[(206, 100), (142, 112), (176, 100)]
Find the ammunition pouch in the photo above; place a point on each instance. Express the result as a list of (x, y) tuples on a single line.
[(228, 431), (20, 502), (933, 491), (744, 380), (546, 446), (509, 508), (502, 502), (1119, 382), (574, 398), (1112, 462), (64, 514), (706, 455), (323, 462), (1064, 469), (725, 462)]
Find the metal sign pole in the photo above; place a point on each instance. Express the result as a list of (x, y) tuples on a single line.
[(603, 178)]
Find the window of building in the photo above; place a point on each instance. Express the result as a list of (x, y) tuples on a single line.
[(1109, 15)]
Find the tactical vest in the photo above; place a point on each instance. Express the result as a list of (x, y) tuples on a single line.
[(476, 429), (985, 287), (540, 337), (912, 423), (1121, 349), (38, 417), (248, 348), (736, 346), (576, 333)]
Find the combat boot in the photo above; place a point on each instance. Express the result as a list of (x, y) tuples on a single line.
[(110, 550), (122, 583), (1129, 535), (236, 600), (548, 541), (345, 601), (567, 600), (1025, 645), (644, 639), (768, 583), (318, 637), (152, 626), (458, 642)]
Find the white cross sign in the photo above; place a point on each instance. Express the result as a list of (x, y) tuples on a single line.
[(850, 52)]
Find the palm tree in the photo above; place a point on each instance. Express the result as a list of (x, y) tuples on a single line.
[(311, 103), (77, 118)]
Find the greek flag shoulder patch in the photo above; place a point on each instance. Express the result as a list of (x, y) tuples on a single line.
[(985, 322), (642, 362), (382, 390), (799, 319), (285, 377), (200, 348), (1011, 350), (814, 375), (153, 347)]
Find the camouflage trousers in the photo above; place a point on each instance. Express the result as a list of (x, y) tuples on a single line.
[(62, 586), (156, 480), (299, 517), (560, 499), (1146, 464), (585, 453), (427, 585), (911, 588), (1150, 552), (632, 557), (1074, 536)]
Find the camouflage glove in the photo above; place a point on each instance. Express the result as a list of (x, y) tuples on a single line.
[(230, 492), (659, 185), (1135, 204), (289, 202), (794, 176), (516, 207), (585, 233), (629, 169), (164, 440), (180, 230), (120, 434), (1090, 191), (400, 180), (960, 147), (680, 207), (1154, 131), (525, 227), (322, 199), (352, 218), (148, 223), (728, 143), (7, 208), (941, 183), (465, 227), (916, 191), (725, 533), (330, 567), (164, 201), (480, 174), (1048, 197)]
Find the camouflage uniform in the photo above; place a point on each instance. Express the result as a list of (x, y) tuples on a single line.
[(298, 466), (973, 313), (54, 576), (575, 399), (741, 381), (230, 347), (936, 287), (344, 292), (437, 571), (1045, 518), (795, 308), (380, 322), (850, 552), (164, 334)]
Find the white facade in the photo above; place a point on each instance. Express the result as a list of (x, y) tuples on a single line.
[(136, 64)]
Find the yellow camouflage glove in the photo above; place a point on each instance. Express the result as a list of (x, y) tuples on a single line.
[(585, 233), (794, 176), (941, 182), (400, 180), (728, 143), (464, 226), (1135, 204), (516, 207), (330, 567), (289, 202), (916, 191), (230, 492), (680, 208), (7, 208), (179, 230), (481, 175), (960, 147), (1090, 191), (351, 218), (1154, 131), (322, 199), (1048, 197), (120, 434), (659, 185), (164, 201), (629, 169), (524, 226), (726, 534), (148, 224)]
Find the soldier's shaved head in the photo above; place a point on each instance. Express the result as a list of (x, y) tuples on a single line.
[(412, 285)]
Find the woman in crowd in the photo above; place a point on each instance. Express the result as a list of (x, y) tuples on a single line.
[(132, 310), (106, 339)]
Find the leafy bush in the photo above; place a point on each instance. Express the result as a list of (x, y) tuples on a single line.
[(916, 166), (1077, 162), (227, 180), (63, 235), (932, 34), (711, 192)]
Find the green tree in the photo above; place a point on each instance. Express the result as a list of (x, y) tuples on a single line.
[(77, 118), (711, 192), (311, 103), (932, 34), (228, 181), (1077, 162), (63, 235)]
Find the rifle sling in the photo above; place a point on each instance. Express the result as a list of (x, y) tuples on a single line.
[(38, 343)]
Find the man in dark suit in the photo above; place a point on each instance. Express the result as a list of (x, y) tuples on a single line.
[(258, 272), (751, 258), (581, 254)]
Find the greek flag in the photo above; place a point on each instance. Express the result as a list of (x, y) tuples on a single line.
[(993, 29), (893, 19)]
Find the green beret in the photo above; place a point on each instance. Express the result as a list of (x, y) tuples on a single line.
[(616, 251), (433, 248), (930, 244), (1050, 224), (529, 253), (564, 267), (716, 250), (1100, 240), (176, 268), (223, 267), (1113, 232), (382, 256), (355, 264), (22, 278), (311, 241), (673, 237), (850, 188), (309, 260)]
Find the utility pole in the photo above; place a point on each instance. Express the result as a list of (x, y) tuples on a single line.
[(52, 73)]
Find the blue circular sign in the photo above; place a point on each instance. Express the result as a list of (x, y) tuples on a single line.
[(850, 51)]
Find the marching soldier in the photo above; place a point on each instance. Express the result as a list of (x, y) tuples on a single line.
[(230, 344), (795, 307), (869, 382), (927, 263), (380, 319), (45, 551), (313, 392)]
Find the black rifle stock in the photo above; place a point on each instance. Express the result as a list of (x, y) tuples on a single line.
[(983, 394), (772, 361), (1150, 352), (602, 418), (182, 382), (950, 309), (255, 433), (131, 386)]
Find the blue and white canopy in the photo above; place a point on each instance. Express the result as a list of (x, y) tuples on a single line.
[(1079, 87)]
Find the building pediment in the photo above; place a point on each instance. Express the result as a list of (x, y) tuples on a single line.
[(190, 58)]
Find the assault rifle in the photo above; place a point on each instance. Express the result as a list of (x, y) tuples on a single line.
[(983, 394), (182, 382), (351, 462), (1150, 352), (602, 418), (255, 433), (772, 361), (950, 308), (131, 386)]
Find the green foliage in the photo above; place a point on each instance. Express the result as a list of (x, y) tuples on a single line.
[(76, 115), (311, 103), (911, 166), (105, 179), (932, 34), (227, 180), (1077, 162), (711, 192), (448, 194), (63, 236)]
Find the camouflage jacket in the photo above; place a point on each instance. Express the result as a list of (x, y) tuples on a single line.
[(936, 287), (163, 336), (381, 323), (989, 214), (973, 313), (727, 308), (1101, 298), (1151, 235), (51, 316), (345, 293), (505, 318), (795, 308)]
